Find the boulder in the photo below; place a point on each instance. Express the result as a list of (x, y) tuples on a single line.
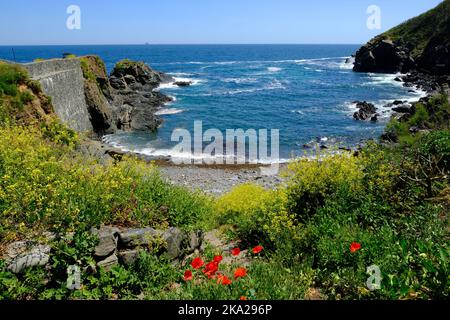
[(108, 263), (26, 254), (174, 239), (403, 108), (195, 240), (183, 83), (366, 111), (107, 245), (128, 257), (139, 237)]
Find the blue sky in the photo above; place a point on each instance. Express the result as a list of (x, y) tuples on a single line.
[(200, 21)]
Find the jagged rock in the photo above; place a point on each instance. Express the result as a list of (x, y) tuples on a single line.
[(374, 118), (135, 99), (365, 112), (403, 108), (421, 43), (127, 100), (139, 237), (195, 240), (94, 149), (383, 55), (26, 254), (174, 238), (108, 263), (183, 83), (107, 245), (99, 109), (128, 257)]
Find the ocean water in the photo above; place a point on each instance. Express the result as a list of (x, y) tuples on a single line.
[(305, 91)]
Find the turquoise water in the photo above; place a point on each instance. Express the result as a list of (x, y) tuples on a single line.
[(305, 91)]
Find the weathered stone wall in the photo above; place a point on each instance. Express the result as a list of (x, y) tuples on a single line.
[(62, 80)]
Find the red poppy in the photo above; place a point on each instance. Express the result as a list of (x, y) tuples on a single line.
[(197, 263), (355, 246), (224, 280), (211, 269), (240, 273), (235, 251), (243, 298), (257, 249), (188, 275), (218, 259)]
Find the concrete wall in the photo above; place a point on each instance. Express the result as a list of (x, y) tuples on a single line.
[(62, 80)]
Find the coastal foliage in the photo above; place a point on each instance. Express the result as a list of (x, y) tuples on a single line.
[(335, 216), (425, 30)]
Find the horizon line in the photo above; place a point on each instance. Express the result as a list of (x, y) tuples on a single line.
[(174, 44)]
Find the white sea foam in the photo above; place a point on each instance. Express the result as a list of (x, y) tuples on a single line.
[(274, 85), (231, 62), (172, 85), (274, 69), (240, 80), (168, 111), (348, 63), (181, 74)]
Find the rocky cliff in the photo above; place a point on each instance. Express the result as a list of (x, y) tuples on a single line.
[(126, 100), (420, 44), (87, 99)]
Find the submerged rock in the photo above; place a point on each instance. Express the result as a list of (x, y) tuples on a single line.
[(183, 83)]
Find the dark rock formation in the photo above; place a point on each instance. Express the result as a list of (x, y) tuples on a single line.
[(127, 99), (383, 56), (183, 83), (366, 111), (419, 44), (404, 108)]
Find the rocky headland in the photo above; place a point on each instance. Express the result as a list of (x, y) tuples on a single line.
[(418, 51), (127, 99)]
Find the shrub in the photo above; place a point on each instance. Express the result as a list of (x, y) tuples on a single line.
[(420, 116), (259, 216), (45, 185), (310, 181), (10, 77), (426, 164)]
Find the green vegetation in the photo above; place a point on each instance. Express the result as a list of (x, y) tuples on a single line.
[(92, 67), (337, 215), (124, 64), (432, 116), (430, 27)]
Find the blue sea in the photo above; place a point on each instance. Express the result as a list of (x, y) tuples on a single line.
[(305, 91)]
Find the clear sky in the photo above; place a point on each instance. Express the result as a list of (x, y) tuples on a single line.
[(32, 22)]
